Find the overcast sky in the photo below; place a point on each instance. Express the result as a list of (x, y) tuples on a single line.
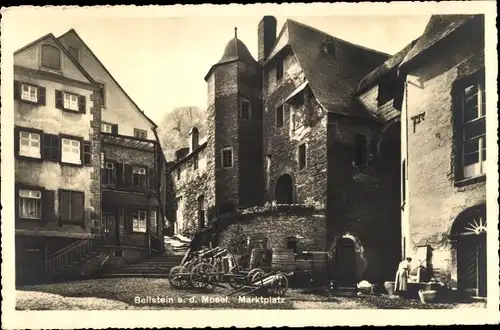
[(161, 62)]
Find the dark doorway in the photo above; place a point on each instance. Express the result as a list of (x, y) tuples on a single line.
[(111, 228), (284, 190), (346, 262), (32, 263)]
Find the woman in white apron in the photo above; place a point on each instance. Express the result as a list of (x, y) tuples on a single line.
[(402, 275)]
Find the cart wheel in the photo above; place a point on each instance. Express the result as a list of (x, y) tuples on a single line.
[(257, 277), (251, 274), (279, 286), (203, 275), (177, 277), (235, 282)]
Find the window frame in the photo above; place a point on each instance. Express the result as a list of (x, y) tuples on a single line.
[(139, 211), (30, 131), (60, 204), (71, 138), (70, 104), (246, 101), (299, 146), (20, 199), (37, 94), (43, 65), (475, 79), (110, 127), (137, 131), (145, 176), (225, 149)]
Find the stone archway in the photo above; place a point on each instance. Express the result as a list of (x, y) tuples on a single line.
[(284, 190), (348, 259), (468, 235)]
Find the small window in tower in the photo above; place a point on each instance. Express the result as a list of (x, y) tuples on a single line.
[(246, 110), (227, 157), (302, 156)]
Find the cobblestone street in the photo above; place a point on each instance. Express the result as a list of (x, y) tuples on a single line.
[(123, 293)]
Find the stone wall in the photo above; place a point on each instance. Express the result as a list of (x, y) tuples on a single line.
[(305, 123), (276, 224), (435, 197)]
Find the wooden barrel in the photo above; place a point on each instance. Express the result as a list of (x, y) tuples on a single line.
[(256, 257), (319, 265), (284, 260)]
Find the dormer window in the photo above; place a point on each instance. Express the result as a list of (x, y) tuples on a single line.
[(73, 51), (51, 57)]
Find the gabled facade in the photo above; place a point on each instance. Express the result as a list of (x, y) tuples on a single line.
[(88, 164), (132, 187), (57, 170)]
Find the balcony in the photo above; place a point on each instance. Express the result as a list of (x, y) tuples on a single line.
[(128, 142), (124, 177)]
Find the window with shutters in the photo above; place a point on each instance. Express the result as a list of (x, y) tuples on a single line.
[(106, 128), (139, 178), (71, 206), (30, 144), (470, 99), (140, 133), (51, 147), (71, 151), (153, 222), (139, 221), (227, 157), (29, 93), (70, 101), (51, 57), (30, 204)]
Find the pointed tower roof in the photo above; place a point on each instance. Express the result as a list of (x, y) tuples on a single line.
[(235, 50)]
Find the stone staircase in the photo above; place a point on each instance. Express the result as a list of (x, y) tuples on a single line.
[(154, 266)]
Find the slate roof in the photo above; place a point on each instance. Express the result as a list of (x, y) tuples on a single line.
[(333, 78), (235, 50), (438, 27), (390, 64)]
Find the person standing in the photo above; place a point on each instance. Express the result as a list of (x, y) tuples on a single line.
[(402, 275)]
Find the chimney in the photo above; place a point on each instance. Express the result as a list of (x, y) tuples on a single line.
[(266, 37), (193, 139)]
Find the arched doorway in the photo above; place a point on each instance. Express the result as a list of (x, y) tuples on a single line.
[(469, 237), (345, 266), (283, 193)]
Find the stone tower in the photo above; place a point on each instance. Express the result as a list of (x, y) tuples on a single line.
[(234, 128)]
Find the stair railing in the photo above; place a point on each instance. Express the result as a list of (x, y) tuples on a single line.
[(60, 260)]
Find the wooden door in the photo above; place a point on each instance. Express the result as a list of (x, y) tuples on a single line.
[(110, 229), (471, 264), (33, 264)]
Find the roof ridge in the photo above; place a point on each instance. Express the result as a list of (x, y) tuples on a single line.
[(110, 75), (338, 39)]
